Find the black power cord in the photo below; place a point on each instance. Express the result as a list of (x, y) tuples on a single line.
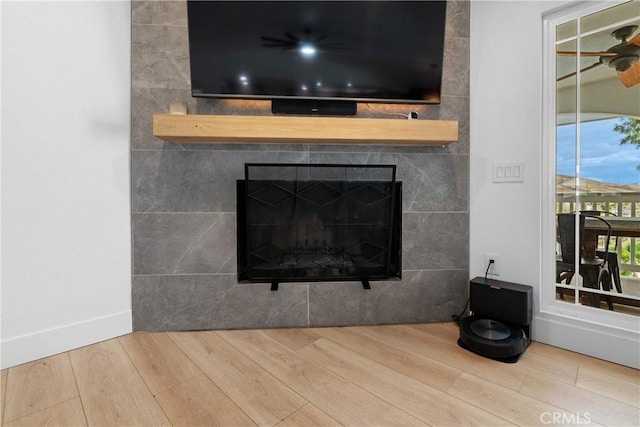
[(459, 317), (491, 261)]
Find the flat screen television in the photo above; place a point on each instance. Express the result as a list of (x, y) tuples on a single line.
[(364, 51)]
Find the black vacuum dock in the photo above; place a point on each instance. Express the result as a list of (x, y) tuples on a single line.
[(500, 325)]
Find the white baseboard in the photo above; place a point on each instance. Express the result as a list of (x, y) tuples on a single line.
[(619, 346), (30, 347)]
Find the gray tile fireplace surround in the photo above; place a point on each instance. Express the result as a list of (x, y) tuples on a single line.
[(184, 209)]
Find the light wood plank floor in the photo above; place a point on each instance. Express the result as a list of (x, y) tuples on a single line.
[(391, 375)]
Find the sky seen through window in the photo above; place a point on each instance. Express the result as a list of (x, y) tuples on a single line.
[(602, 156)]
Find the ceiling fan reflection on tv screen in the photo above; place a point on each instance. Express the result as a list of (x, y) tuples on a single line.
[(307, 44), (317, 53)]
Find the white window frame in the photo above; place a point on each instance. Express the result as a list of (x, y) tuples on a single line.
[(549, 305)]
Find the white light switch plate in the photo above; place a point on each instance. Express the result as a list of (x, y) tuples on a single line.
[(508, 172)]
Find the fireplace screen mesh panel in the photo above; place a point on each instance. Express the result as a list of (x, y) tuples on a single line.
[(318, 223)]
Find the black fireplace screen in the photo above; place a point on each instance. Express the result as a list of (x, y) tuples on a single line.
[(301, 222)]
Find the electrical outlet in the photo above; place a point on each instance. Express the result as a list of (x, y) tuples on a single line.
[(494, 268)]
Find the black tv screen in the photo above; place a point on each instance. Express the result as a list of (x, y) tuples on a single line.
[(371, 51)]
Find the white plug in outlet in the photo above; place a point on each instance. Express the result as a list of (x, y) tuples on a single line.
[(494, 267)]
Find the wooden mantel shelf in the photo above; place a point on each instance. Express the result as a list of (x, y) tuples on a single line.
[(295, 129)]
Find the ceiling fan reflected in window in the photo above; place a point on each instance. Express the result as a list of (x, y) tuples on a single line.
[(623, 57)]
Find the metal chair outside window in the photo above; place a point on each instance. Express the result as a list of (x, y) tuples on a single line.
[(595, 270), (612, 256)]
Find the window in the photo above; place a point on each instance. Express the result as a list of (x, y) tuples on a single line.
[(592, 136)]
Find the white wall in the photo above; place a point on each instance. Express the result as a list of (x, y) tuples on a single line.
[(506, 126), (66, 274)]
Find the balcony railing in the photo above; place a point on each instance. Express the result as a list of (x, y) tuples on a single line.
[(626, 204)]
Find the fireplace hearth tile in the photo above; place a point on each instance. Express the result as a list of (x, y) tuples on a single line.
[(458, 107), (435, 241), (184, 243), (194, 181), (456, 83), (429, 182), (159, 13), (421, 296), (188, 302), (144, 103)]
